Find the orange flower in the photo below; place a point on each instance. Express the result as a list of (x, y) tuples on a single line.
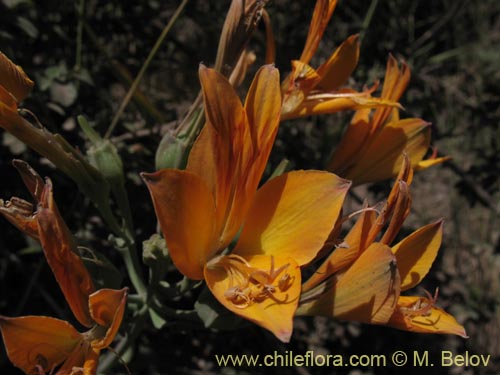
[(39, 344), (373, 145), (283, 224), (308, 91), (362, 279)]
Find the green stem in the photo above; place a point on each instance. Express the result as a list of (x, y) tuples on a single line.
[(144, 67), (134, 269), (110, 359), (368, 17)]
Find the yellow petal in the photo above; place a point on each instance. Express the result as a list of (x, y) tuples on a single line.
[(61, 253), (351, 143), (427, 163), (337, 69), (321, 16), (435, 320), (262, 107), (416, 253), (293, 214), (342, 257), (382, 158), (38, 340), (367, 292), (13, 78), (240, 289), (322, 105), (185, 210), (107, 307)]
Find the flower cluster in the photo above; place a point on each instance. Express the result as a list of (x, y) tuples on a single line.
[(250, 244)]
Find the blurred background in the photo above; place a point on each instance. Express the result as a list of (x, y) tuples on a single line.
[(453, 50)]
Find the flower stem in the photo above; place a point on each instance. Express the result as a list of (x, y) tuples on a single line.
[(144, 67)]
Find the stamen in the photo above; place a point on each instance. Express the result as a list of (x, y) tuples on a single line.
[(421, 307), (248, 285)]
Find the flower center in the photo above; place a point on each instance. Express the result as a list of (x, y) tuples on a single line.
[(421, 307), (249, 284)]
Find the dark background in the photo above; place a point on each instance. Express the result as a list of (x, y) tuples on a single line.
[(453, 49)]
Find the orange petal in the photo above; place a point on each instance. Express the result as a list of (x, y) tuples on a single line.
[(7, 102), (61, 253), (293, 214), (296, 86), (351, 143), (395, 83), (416, 253), (338, 68), (225, 114), (399, 212), (367, 292), (342, 257), (13, 78), (10, 120), (31, 179), (185, 210), (270, 42), (262, 107), (321, 16), (435, 320), (202, 158), (106, 308), (83, 360), (273, 311), (397, 205), (382, 158), (20, 213), (32, 341)]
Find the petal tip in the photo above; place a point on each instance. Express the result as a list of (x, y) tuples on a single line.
[(149, 178), (284, 335)]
